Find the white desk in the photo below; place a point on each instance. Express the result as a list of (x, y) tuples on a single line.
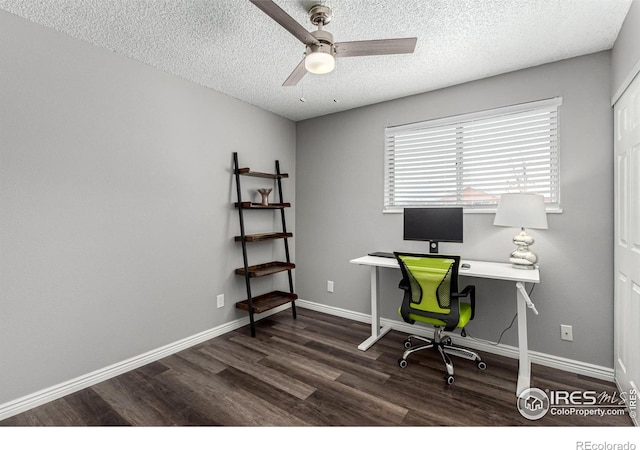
[(478, 269)]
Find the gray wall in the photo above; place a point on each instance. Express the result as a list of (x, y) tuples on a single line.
[(339, 212), (116, 231), (625, 58)]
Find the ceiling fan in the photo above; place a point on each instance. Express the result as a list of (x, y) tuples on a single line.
[(321, 50)]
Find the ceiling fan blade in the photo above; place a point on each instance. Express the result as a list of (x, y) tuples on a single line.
[(296, 75), (285, 20), (375, 47)]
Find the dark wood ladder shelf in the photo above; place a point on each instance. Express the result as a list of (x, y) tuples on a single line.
[(249, 173), (262, 270), (265, 302), (249, 205), (256, 304), (263, 237)]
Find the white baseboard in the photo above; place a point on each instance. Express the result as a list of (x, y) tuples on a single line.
[(43, 396), (544, 359)]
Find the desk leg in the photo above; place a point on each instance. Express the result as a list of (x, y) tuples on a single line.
[(524, 366), (376, 331)]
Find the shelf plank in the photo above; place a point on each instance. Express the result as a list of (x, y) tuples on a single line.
[(268, 301), (263, 237), (250, 173), (269, 268), (249, 205)]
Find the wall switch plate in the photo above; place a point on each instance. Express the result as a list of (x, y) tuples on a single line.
[(220, 300), (566, 332), (330, 286)]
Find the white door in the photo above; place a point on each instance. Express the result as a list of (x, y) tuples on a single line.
[(627, 242)]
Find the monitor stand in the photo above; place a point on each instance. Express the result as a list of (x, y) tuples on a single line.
[(433, 247)]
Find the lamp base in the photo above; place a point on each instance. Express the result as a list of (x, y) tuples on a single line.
[(522, 257), (521, 266)]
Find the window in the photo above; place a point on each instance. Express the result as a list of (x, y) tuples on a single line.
[(472, 159)]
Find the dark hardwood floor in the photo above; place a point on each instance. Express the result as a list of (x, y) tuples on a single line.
[(309, 372)]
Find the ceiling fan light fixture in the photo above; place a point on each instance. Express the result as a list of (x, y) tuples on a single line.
[(319, 63), (319, 57)]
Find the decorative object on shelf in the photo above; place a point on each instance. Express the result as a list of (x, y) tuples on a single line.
[(265, 196), (523, 211)]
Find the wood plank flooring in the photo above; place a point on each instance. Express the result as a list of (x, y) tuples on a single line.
[(309, 372)]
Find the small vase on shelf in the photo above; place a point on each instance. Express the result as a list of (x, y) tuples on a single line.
[(265, 196)]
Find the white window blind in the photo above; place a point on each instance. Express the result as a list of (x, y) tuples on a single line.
[(472, 159)]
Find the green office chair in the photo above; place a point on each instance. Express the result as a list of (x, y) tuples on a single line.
[(431, 296)]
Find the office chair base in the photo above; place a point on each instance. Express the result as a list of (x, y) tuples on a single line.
[(445, 347)]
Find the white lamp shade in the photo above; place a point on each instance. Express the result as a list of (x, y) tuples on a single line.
[(522, 211), (319, 63)]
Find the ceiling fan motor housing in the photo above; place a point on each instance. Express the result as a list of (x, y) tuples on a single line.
[(325, 45)]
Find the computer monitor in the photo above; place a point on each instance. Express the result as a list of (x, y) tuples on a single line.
[(436, 224)]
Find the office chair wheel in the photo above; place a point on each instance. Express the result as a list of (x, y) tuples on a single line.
[(447, 341), (449, 379), (481, 365), (407, 344), (402, 363)]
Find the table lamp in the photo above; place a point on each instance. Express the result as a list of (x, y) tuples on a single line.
[(523, 211)]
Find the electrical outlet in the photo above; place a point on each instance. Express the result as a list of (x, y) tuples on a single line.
[(330, 286), (220, 300), (566, 332)]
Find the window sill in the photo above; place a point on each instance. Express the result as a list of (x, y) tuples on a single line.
[(472, 211)]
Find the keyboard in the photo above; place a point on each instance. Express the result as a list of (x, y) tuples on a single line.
[(383, 254)]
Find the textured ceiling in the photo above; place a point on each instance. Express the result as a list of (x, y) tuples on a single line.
[(233, 47)]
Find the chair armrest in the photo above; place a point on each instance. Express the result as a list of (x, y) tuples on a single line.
[(468, 291)]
